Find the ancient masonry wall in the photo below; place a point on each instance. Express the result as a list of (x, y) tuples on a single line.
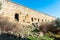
[(15, 12)]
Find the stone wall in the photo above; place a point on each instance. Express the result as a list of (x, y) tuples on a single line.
[(21, 14)]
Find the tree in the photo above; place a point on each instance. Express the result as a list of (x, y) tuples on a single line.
[(57, 21), (0, 5)]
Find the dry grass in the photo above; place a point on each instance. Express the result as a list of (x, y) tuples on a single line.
[(10, 27)]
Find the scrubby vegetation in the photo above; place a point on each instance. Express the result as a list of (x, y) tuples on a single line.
[(45, 37), (46, 31)]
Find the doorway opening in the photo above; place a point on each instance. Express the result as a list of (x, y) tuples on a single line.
[(17, 17)]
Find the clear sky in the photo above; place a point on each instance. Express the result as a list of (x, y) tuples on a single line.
[(50, 7)]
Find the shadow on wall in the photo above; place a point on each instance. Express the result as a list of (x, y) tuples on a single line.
[(5, 36)]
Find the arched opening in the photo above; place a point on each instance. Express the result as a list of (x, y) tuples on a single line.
[(17, 17)]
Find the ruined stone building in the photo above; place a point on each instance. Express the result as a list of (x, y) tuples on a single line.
[(21, 14)]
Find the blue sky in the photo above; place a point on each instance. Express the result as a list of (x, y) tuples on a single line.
[(50, 7)]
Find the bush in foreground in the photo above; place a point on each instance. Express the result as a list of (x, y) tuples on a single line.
[(45, 37)]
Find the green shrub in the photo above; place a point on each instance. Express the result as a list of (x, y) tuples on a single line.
[(40, 38)]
